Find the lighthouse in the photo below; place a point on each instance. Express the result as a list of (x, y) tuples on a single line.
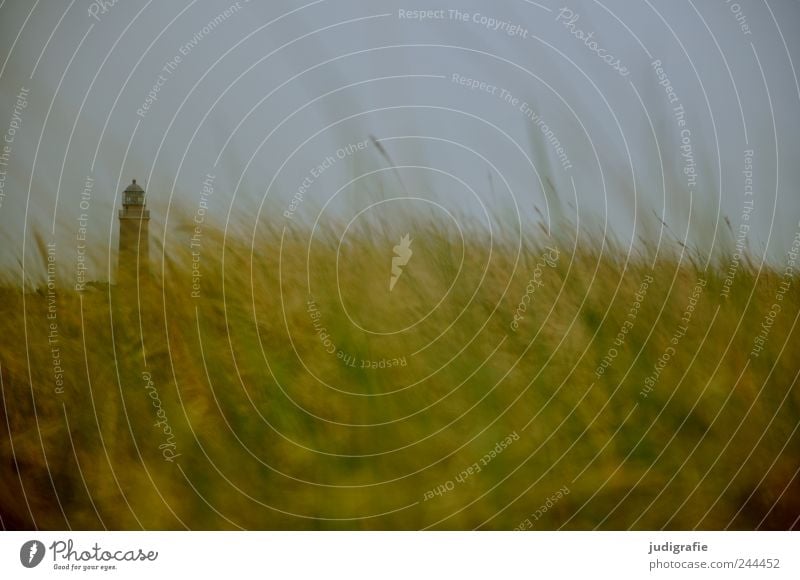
[(134, 247)]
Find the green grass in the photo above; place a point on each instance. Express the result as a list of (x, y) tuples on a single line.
[(275, 432)]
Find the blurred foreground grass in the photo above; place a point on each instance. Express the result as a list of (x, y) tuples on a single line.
[(298, 392)]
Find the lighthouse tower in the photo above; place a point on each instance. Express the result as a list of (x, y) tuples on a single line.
[(134, 247)]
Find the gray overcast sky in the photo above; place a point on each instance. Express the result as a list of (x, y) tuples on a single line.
[(265, 92)]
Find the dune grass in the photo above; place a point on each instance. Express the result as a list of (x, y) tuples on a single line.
[(293, 390)]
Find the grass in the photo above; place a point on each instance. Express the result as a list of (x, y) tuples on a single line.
[(272, 431)]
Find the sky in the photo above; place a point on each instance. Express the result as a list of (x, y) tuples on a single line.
[(615, 115)]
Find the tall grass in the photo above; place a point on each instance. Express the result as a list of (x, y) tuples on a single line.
[(272, 431)]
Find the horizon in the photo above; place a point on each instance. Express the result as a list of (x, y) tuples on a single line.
[(511, 91)]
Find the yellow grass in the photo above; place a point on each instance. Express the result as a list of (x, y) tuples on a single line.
[(272, 431)]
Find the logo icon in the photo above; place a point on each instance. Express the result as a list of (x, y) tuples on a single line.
[(32, 553), (402, 254)]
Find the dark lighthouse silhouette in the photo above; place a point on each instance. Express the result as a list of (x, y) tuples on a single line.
[(134, 246)]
